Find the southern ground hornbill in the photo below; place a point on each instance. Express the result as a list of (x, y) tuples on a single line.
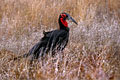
[(53, 41)]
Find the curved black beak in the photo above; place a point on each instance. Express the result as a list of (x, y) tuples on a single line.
[(70, 18)]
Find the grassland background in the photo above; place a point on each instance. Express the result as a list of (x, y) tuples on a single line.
[(93, 51)]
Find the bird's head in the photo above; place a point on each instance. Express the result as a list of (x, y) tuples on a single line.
[(63, 20)]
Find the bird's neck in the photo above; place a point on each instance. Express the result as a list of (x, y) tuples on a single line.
[(63, 24)]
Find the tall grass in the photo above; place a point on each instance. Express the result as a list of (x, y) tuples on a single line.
[(93, 51)]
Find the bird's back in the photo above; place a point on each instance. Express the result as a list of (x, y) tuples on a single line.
[(51, 41), (55, 38)]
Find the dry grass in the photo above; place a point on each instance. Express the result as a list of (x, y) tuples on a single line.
[(93, 52)]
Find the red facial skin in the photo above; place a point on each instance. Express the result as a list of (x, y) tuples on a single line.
[(64, 22)]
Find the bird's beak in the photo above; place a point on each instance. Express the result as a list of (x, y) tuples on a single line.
[(70, 18)]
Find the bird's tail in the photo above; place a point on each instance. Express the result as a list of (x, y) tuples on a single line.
[(22, 56)]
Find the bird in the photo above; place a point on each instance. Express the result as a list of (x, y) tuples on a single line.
[(52, 41)]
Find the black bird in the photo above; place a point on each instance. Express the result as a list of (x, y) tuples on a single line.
[(53, 41)]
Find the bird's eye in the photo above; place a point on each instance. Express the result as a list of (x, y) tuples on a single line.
[(63, 15)]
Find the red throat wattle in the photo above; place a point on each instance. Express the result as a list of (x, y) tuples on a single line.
[(64, 22)]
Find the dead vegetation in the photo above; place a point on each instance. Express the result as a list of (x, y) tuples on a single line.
[(93, 52)]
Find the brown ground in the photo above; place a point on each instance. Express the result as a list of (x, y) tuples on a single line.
[(93, 51)]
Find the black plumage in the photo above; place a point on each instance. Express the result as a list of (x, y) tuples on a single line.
[(52, 41)]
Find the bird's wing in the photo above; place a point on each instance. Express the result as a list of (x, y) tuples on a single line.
[(60, 39), (42, 43), (48, 34)]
